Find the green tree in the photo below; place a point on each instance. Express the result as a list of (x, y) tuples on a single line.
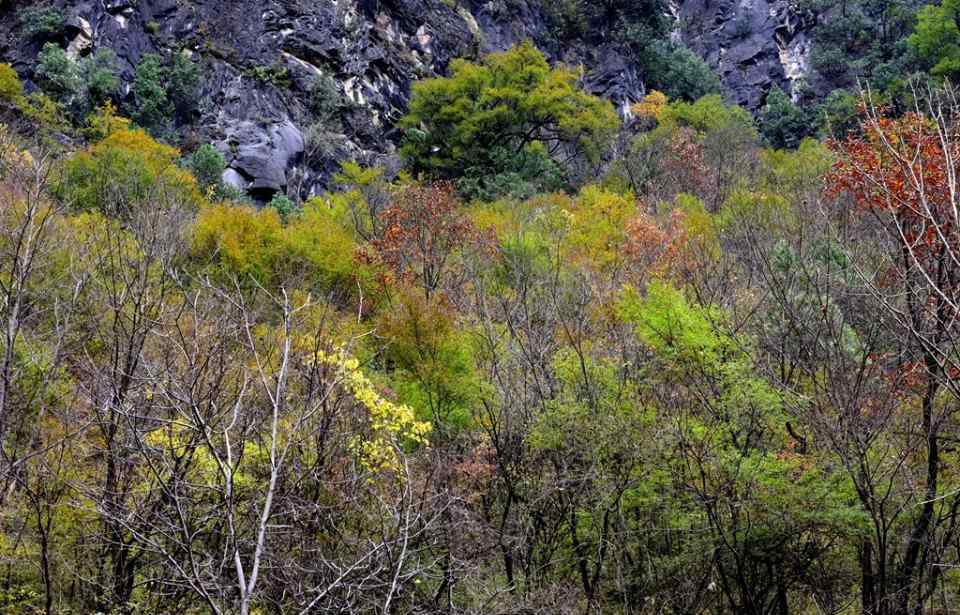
[(936, 39), (208, 166), (783, 123), (509, 100), (57, 74), (99, 74), (11, 88), (183, 79), (679, 72), (42, 20), (152, 105), (284, 206), (837, 114)]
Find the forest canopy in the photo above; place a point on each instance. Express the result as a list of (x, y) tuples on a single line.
[(670, 358)]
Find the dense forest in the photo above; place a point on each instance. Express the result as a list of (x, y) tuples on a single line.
[(569, 357)]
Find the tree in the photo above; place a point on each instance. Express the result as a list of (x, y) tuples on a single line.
[(783, 124), (99, 74), (936, 39), (900, 175), (58, 74), (117, 174), (423, 234), (679, 72), (208, 165), (510, 100), (152, 104)]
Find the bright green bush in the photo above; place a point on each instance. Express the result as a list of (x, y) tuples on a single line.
[(456, 125)]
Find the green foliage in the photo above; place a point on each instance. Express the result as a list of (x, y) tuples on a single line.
[(57, 74), (11, 88), (242, 241), (162, 89), (208, 165), (152, 105), (276, 75), (687, 335), (637, 22), (78, 86), (326, 100), (41, 20), (99, 73), (707, 114), (679, 72), (864, 40), (283, 205), (837, 114), (782, 123), (126, 170), (183, 79), (936, 39), (456, 126), (433, 363), (523, 174)]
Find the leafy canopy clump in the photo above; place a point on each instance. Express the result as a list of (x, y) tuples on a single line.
[(936, 40), (125, 170), (460, 125)]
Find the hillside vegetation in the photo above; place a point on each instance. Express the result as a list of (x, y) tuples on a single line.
[(680, 359)]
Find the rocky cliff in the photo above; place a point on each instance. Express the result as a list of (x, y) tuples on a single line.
[(261, 60)]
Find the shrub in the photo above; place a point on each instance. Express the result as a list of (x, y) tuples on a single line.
[(509, 100), (679, 72), (99, 74), (326, 100), (783, 123), (161, 89), (837, 115), (284, 206), (42, 20), (208, 165), (125, 170), (183, 79), (11, 89), (936, 40), (524, 174), (153, 107), (57, 74)]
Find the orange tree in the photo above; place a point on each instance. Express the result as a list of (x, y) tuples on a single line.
[(899, 177)]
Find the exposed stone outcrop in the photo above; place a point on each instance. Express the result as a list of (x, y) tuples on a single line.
[(261, 58), (753, 44)]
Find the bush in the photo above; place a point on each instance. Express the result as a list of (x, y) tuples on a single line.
[(284, 206), (78, 86), (326, 101), (42, 20), (936, 40), (783, 124), (126, 170), (208, 165), (99, 74), (11, 89), (160, 90), (837, 115), (183, 79), (511, 100), (679, 72), (526, 173), (57, 74), (153, 107)]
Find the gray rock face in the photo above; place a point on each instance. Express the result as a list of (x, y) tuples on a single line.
[(260, 60), (752, 44)]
